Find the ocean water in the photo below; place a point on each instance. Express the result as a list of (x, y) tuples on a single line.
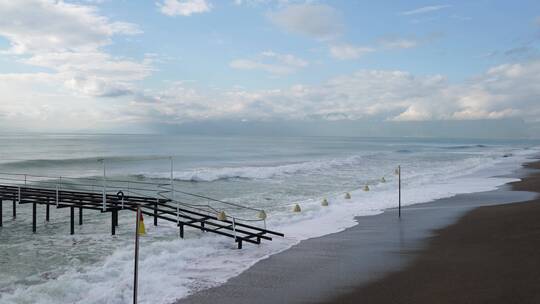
[(269, 173)]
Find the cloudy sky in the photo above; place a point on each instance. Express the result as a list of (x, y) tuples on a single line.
[(117, 64)]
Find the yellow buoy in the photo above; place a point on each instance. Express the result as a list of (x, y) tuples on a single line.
[(261, 215), (383, 180), (347, 195), (366, 188), (296, 208), (324, 202), (222, 216)]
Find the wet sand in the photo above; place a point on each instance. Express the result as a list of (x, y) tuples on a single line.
[(361, 263)]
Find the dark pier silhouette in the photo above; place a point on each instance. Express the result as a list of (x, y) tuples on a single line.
[(204, 217)]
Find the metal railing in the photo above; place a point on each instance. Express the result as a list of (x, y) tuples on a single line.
[(111, 186)]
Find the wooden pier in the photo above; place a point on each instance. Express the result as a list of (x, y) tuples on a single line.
[(160, 208)]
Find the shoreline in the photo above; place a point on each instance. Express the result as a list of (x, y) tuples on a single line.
[(489, 256), (331, 266)]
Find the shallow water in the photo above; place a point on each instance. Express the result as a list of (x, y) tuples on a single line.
[(269, 173)]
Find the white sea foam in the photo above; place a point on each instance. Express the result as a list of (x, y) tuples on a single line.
[(174, 268)]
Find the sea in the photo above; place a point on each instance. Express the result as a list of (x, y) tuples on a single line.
[(267, 173)]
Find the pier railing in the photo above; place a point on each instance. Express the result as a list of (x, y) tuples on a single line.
[(160, 190)]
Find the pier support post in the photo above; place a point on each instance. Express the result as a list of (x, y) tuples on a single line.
[(1, 213), (113, 223), (72, 226), (34, 217), (80, 216), (181, 230), (155, 213), (202, 226), (14, 209), (116, 217), (239, 244), (47, 212)]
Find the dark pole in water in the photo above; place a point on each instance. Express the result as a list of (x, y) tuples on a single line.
[(80, 216), (135, 272), (72, 213), (1, 213), (47, 211), (113, 223), (399, 190), (14, 209), (155, 213), (34, 217), (182, 231)]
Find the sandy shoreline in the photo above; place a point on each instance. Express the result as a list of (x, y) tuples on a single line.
[(489, 256), (333, 268)]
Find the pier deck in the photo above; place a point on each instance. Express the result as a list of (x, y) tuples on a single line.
[(175, 211)]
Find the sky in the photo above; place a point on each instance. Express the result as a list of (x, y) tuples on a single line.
[(142, 66)]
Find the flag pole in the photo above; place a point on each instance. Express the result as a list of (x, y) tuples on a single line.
[(399, 189), (135, 272)]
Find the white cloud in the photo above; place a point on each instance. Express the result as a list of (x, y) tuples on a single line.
[(347, 51), (184, 7), (318, 21), (424, 9), (271, 62), (503, 91), (67, 40), (34, 26), (398, 43)]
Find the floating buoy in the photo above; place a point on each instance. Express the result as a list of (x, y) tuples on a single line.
[(366, 188), (222, 216), (142, 229), (383, 180), (296, 208), (324, 202), (261, 215), (347, 195)]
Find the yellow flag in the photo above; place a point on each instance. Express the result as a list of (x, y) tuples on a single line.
[(142, 230)]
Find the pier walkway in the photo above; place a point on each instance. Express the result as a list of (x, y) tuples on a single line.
[(158, 201)]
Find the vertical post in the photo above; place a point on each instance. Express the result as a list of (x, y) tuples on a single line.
[(14, 209), (136, 266), (104, 186), (113, 223), (80, 216), (1, 212), (234, 227), (172, 192), (47, 211), (399, 190), (72, 226), (34, 217), (181, 231), (57, 195), (155, 212)]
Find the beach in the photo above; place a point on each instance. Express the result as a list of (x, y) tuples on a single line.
[(470, 248), (489, 256)]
